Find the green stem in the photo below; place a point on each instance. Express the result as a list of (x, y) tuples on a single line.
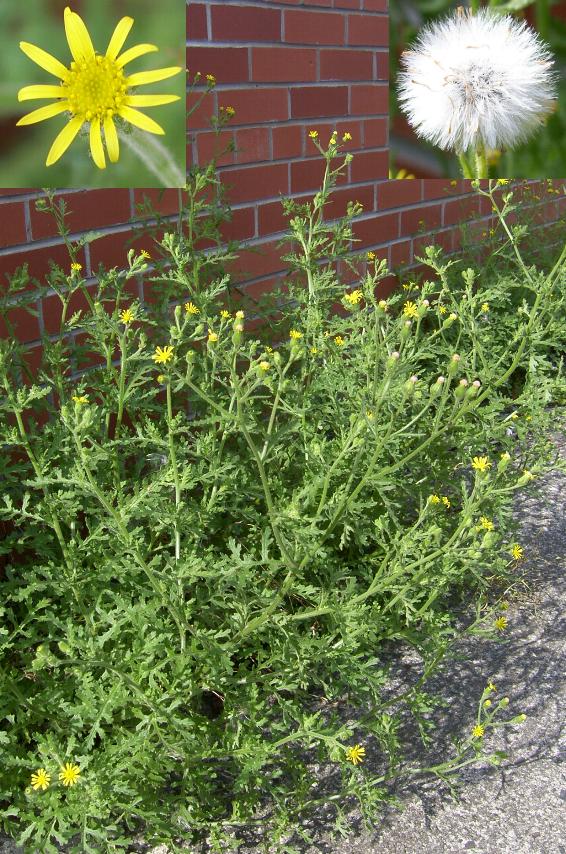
[(542, 14), (173, 457), (481, 162), (464, 163), (155, 156)]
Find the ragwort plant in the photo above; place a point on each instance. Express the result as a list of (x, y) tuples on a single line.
[(213, 543)]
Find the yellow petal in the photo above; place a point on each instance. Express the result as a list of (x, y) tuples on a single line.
[(63, 140), (31, 93), (140, 120), (151, 76), (150, 100), (111, 138), (44, 113), (44, 59), (134, 52), (119, 36), (96, 144), (77, 36)]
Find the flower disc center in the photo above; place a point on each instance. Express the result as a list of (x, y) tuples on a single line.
[(96, 88)]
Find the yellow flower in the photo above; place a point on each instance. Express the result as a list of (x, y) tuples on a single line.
[(485, 307), (371, 256), (410, 309), (339, 341), (485, 524), (145, 254), (265, 366), (295, 335), (76, 266), (191, 308), (127, 315), (446, 501), (355, 754), (211, 79), (487, 703), (480, 464), (501, 181), (383, 305), (491, 687), (369, 414), (240, 314), (434, 499), (517, 551), (80, 399), (160, 378), (69, 774), (478, 731), (230, 111), (354, 297), (453, 183), (501, 623), (313, 134), (225, 314), (314, 350), (347, 137), (94, 89), (162, 355), (212, 337), (442, 309), (41, 779)]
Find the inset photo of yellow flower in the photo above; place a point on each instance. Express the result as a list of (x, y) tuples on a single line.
[(93, 94)]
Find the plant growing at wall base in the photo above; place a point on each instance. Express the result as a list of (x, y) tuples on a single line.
[(215, 539)]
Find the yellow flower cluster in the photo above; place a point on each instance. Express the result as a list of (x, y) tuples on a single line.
[(354, 297), (191, 308), (68, 776), (410, 309)]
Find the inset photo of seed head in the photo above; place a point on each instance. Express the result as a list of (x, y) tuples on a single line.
[(478, 91), (92, 93)]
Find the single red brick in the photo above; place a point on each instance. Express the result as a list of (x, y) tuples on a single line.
[(375, 132), (382, 63), (37, 259), (340, 198), (211, 145), (376, 229), (306, 175), (52, 309), (241, 226), (394, 194), (318, 101), (271, 218), (400, 254), (287, 141), (245, 24), (24, 324), (12, 224), (375, 5), (252, 145), (347, 4), (254, 106), (163, 201), (370, 166), (459, 210), (346, 65), (285, 64), (196, 23), (303, 27), (227, 64), (421, 219), (371, 30), (263, 259), (251, 183), (372, 98), (86, 210), (202, 111), (441, 188)]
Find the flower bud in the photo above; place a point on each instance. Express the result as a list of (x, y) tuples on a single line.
[(423, 308), (406, 330), (525, 478), (436, 387), (382, 307), (409, 385), (392, 359), (178, 311), (504, 461), (199, 329), (460, 389), (453, 364), (519, 719), (473, 390), (449, 321), (489, 539)]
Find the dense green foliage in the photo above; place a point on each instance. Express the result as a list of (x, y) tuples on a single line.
[(218, 532)]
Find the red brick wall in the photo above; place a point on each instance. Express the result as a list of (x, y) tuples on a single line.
[(287, 67)]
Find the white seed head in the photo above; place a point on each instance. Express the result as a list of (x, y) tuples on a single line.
[(477, 79)]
